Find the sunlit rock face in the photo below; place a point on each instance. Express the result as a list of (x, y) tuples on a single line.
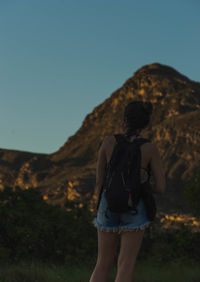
[(175, 128)]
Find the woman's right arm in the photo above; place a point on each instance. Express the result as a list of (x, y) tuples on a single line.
[(157, 171)]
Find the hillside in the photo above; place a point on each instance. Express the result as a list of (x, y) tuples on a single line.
[(175, 128)]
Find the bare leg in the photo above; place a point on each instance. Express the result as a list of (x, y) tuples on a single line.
[(107, 245), (129, 249)]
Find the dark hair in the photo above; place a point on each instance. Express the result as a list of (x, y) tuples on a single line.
[(137, 115)]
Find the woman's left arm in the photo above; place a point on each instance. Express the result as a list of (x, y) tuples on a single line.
[(101, 167)]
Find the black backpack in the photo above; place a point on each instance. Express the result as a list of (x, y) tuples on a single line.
[(122, 186)]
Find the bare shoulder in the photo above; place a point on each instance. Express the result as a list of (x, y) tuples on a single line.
[(151, 148), (154, 153), (154, 148), (108, 142), (109, 139)]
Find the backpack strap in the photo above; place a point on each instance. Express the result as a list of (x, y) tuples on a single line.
[(141, 141), (119, 138)]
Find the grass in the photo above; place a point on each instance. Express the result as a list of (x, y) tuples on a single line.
[(145, 271)]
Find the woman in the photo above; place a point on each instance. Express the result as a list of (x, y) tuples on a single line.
[(130, 228)]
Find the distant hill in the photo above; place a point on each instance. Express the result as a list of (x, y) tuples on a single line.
[(175, 128)]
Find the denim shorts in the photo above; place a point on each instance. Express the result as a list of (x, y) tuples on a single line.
[(117, 222)]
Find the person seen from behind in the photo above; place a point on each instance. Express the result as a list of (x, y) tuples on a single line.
[(126, 226)]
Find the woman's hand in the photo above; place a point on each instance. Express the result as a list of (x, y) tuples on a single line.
[(94, 197)]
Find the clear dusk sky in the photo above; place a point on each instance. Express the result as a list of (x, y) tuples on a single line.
[(60, 59)]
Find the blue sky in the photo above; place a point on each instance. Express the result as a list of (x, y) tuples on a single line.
[(60, 59)]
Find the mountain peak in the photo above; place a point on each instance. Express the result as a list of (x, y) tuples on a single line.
[(159, 70)]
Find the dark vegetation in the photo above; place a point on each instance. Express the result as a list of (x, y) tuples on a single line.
[(192, 194), (31, 229)]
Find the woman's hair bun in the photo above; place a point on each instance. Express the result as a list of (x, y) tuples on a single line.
[(137, 115)]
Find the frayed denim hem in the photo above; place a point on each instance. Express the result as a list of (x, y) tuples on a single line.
[(106, 229), (122, 228), (135, 228)]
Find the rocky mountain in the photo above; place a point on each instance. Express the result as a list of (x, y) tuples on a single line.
[(175, 127)]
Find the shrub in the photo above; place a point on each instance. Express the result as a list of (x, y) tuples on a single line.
[(31, 228), (192, 194)]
